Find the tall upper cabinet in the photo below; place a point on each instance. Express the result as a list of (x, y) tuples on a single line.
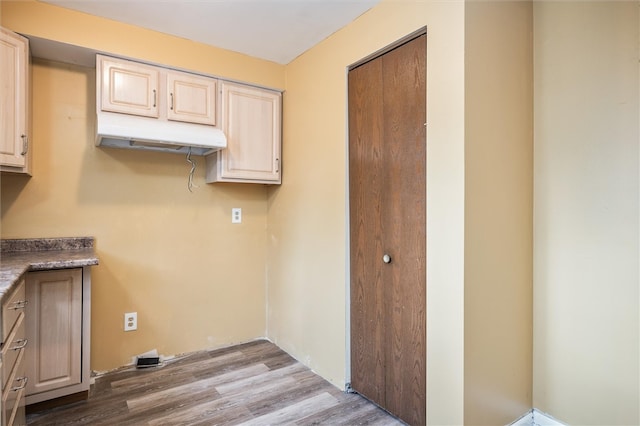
[(251, 120), (15, 147)]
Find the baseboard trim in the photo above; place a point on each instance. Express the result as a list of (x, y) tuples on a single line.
[(543, 419), (536, 417), (525, 420)]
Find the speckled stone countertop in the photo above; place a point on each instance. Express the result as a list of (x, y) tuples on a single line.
[(36, 254)]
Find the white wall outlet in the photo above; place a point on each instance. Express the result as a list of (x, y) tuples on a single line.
[(130, 321), (236, 215)]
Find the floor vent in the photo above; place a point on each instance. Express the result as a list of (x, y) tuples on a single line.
[(147, 362)]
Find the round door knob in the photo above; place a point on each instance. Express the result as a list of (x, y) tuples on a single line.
[(386, 258)]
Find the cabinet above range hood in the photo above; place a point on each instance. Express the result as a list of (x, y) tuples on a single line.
[(146, 107)]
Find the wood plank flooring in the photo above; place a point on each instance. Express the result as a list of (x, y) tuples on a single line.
[(254, 383)]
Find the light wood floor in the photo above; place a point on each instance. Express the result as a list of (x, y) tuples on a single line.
[(251, 384)]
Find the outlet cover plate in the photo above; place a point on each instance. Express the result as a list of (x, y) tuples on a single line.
[(130, 321), (236, 215)]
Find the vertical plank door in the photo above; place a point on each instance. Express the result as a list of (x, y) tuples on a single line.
[(387, 198)]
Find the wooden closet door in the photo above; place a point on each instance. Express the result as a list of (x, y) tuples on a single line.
[(387, 196)]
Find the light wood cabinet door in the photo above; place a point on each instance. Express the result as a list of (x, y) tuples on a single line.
[(54, 329), (129, 87), (191, 98), (251, 120), (14, 102)]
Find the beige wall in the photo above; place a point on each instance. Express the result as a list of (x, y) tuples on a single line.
[(586, 258), (196, 280), (308, 271), (498, 295)]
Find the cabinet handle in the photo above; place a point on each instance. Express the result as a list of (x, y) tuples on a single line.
[(154, 98), (24, 381), (25, 144), (21, 344), (20, 304), (277, 165), (171, 106)]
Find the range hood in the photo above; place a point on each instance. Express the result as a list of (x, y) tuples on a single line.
[(150, 134)]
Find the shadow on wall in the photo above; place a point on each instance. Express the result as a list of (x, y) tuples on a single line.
[(11, 185)]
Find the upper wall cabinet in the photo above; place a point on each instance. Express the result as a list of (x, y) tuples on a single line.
[(133, 88), (192, 98), (15, 150), (251, 120), (130, 88)]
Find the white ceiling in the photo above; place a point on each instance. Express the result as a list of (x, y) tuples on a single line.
[(275, 30)]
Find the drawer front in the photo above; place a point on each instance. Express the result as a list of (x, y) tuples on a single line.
[(12, 309), (12, 372), (13, 411), (12, 350)]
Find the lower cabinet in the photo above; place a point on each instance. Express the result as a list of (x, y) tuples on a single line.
[(57, 328), (14, 347)]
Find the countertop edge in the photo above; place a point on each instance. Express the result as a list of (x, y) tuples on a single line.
[(41, 266), (15, 265), (13, 245)]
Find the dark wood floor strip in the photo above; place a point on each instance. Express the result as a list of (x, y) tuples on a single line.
[(255, 383)]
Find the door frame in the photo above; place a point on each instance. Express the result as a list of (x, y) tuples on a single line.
[(417, 33)]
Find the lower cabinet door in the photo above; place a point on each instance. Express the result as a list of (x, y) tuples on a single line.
[(54, 329)]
